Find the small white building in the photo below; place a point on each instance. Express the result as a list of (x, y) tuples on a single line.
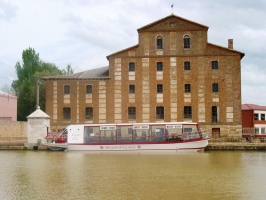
[(38, 126)]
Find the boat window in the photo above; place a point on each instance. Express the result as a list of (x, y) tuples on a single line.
[(174, 131), (190, 128), (157, 133), (191, 132), (108, 135), (124, 133), (91, 134), (141, 135)]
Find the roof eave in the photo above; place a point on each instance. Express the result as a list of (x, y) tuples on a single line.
[(241, 53), (122, 51), (75, 79), (172, 15)]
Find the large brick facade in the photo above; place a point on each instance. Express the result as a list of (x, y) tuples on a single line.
[(171, 41)]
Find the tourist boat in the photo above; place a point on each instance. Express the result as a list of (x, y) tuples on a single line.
[(172, 136)]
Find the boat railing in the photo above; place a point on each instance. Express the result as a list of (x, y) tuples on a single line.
[(57, 137), (192, 135)]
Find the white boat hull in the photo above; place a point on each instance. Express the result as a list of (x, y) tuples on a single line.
[(184, 146)]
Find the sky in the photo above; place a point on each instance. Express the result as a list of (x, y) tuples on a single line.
[(83, 32)]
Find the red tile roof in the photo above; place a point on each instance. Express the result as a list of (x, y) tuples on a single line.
[(252, 107)]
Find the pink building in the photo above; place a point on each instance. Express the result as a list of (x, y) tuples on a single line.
[(8, 106)]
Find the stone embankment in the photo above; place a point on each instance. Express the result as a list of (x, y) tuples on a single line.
[(18, 144), (235, 146)]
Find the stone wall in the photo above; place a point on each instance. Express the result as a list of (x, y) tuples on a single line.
[(228, 132), (13, 129)]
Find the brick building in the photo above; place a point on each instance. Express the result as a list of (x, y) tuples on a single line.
[(172, 74), (253, 120)]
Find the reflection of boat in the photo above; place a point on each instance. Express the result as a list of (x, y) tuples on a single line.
[(172, 136), (58, 146)]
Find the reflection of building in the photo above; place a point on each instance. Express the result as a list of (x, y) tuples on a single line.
[(253, 119), (172, 74), (8, 106)]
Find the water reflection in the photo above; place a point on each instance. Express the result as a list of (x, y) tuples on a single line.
[(83, 175)]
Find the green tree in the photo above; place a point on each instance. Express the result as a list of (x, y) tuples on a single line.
[(28, 72), (68, 70)]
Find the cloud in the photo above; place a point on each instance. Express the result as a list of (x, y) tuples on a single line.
[(83, 33), (7, 11)]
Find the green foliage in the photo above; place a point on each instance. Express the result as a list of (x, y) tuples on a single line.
[(68, 70), (25, 148), (31, 70)]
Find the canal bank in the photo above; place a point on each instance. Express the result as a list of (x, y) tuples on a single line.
[(235, 146), (20, 145)]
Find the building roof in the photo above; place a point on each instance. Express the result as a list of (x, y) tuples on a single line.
[(120, 51), (38, 114), (171, 16), (241, 53), (252, 107), (92, 74)]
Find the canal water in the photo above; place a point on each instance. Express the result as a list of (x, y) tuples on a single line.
[(82, 175)]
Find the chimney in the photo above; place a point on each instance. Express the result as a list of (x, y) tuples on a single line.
[(230, 43)]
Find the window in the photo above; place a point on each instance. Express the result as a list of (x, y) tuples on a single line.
[(256, 116), (215, 64), (187, 87), (215, 87), (159, 66), (214, 114), (159, 42), (67, 113), (186, 42), (131, 112), (159, 88), (131, 67), (132, 89), (89, 113), (160, 112), (66, 89), (187, 112), (187, 65), (88, 89), (262, 117), (263, 130)]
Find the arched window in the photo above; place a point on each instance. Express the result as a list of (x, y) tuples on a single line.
[(215, 87), (131, 112), (159, 42), (186, 65), (66, 113), (131, 67), (214, 114), (187, 42), (159, 112), (89, 113), (187, 112), (66, 89)]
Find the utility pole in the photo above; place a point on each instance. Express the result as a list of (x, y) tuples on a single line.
[(37, 92)]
